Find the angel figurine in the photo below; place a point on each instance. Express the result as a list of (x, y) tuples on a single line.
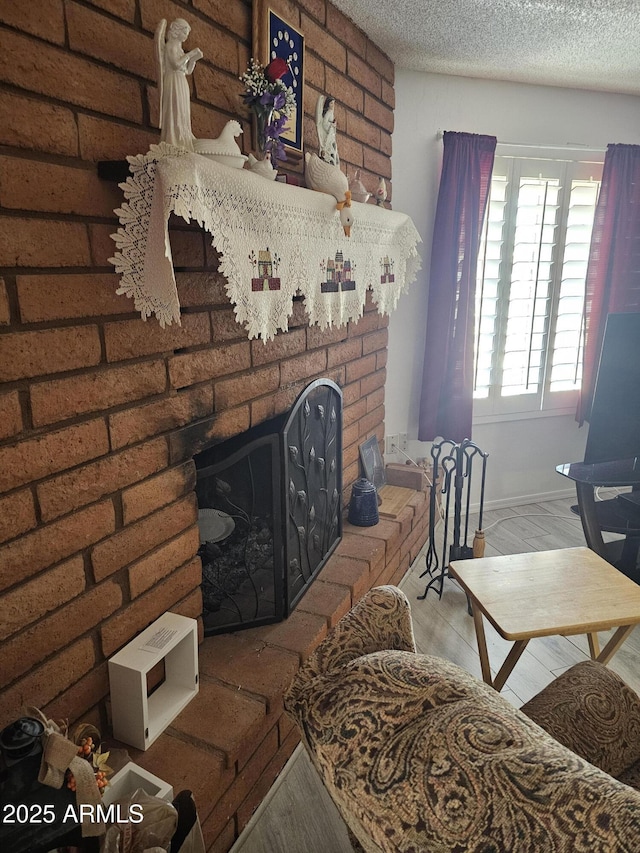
[(173, 65), (326, 126)]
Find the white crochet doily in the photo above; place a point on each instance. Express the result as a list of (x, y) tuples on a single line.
[(274, 241)]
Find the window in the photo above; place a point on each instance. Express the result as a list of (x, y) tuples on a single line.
[(532, 267)]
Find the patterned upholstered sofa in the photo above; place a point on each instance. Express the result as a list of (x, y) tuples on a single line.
[(418, 755)]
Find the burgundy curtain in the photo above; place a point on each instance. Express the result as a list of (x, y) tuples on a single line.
[(613, 273), (447, 383)]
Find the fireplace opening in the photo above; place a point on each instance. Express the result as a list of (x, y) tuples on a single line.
[(270, 511)]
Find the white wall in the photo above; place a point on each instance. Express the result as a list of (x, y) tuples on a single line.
[(523, 454)]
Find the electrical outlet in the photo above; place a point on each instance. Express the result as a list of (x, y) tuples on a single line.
[(389, 442), (403, 442)]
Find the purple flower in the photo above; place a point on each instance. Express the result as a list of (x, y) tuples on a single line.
[(277, 150), (279, 101), (277, 125)]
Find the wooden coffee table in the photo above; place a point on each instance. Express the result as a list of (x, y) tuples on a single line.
[(568, 591)]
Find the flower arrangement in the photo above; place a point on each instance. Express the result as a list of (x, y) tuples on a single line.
[(87, 739), (272, 101)]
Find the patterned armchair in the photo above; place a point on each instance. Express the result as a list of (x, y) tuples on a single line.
[(418, 755)]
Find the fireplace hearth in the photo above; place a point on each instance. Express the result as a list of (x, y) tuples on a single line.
[(270, 511)]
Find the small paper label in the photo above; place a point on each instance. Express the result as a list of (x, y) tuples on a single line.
[(160, 639)]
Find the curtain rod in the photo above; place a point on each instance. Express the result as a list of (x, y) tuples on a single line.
[(569, 146)]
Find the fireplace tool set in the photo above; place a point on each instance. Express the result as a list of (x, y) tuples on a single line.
[(453, 466)]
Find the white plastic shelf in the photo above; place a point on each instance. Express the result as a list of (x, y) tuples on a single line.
[(132, 777), (139, 718)]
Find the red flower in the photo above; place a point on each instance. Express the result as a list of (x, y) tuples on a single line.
[(276, 69)]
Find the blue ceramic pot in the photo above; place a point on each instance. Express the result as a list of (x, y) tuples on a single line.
[(363, 506)]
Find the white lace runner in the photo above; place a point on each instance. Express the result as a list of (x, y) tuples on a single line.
[(274, 241)]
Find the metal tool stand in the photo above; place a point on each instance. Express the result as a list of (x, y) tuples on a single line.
[(452, 476)]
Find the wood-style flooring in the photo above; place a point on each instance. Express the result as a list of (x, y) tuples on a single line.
[(298, 815)]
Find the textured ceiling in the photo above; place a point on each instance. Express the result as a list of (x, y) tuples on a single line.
[(588, 44)]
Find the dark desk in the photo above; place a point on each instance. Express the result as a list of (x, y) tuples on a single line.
[(616, 515), (30, 830)]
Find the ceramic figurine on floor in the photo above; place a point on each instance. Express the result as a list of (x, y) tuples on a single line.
[(381, 192), (326, 126), (173, 65)]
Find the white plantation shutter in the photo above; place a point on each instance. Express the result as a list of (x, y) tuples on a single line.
[(566, 350), (530, 290), (488, 285), (531, 270)]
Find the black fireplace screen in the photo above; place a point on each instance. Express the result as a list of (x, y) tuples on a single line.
[(270, 511)]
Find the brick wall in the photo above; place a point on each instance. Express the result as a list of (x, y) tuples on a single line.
[(98, 528)]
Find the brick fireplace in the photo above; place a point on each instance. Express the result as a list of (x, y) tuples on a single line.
[(231, 765), (270, 512), (101, 413)]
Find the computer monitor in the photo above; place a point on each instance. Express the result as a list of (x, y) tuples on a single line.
[(614, 422)]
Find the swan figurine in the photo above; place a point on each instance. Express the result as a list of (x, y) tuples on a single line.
[(358, 189), (324, 177), (327, 178), (224, 149), (264, 168), (346, 216)]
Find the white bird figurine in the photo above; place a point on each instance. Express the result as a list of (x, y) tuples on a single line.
[(358, 189), (264, 168), (225, 143), (381, 192), (346, 216), (224, 148), (326, 178)]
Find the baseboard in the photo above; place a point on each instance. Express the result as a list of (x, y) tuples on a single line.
[(521, 500)]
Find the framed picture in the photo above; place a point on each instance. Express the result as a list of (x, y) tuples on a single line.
[(372, 465), (274, 37)]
